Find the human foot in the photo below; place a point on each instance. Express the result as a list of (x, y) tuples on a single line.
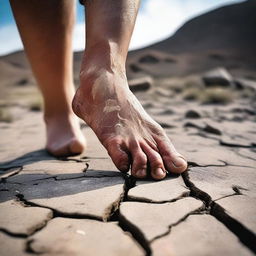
[(130, 135), (64, 137)]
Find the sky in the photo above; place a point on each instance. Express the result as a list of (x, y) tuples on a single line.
[(157, 20)]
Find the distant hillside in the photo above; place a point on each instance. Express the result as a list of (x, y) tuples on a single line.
[(223, 37), (230, 27)]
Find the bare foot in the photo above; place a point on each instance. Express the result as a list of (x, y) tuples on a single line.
[(64, 137), (130, 135)]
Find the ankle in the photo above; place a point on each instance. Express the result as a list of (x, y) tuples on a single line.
[(58, 116), (103, 56), (93, 75)]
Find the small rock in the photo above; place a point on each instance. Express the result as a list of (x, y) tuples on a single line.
[(167, 112), (135, 68), (22, 82), (218, 77), (164, 92), (242, 83), (192, 114), (148, 59), (170, 60), (140, 84), (210, 129)]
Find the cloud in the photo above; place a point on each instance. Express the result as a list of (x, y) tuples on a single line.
[(79, 37), (10, 39)]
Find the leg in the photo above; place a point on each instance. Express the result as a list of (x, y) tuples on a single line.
[(105, 102), (46, 31)]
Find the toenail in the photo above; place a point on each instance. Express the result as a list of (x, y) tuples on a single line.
[(179, 161), (159, 172), (141, 173)]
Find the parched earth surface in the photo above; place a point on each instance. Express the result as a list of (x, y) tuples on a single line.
[(200, 85), (84, 206)]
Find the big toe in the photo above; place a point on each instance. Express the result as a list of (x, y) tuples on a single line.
[(173, 161), (177, 163)]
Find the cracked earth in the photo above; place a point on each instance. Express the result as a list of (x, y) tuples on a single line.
[(84, 206)]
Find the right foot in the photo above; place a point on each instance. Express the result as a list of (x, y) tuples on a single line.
[(130, 135), (64, 137)]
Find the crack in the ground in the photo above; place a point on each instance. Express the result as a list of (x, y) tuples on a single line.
[(136, 233), (244, 156), (146, 200), (112, 214), (7, 174), (21, 199), (3, 169), (242, 232), (247, 237), (57, 213), (198, 211), (223, 143), (57, 178), (29, 249), (235, 145), (194, 164), (76, 160), (125, 225), (16, 235), (237, 191), (207, 128), (234, 194)]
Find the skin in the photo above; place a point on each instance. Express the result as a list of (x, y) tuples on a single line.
[(103, 100), (46, 31)]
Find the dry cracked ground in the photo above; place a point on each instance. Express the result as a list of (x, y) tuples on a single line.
[(84, 206)]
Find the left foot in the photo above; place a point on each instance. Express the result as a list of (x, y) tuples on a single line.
[(64, 137), (129, 134)]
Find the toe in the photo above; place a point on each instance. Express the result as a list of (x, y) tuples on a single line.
[(139, 162), (118, 153), (173, 161), (157, 168)]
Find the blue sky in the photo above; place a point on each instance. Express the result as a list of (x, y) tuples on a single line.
[(157, 20)]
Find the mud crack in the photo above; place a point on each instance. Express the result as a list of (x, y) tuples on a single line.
[(244, 234)]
